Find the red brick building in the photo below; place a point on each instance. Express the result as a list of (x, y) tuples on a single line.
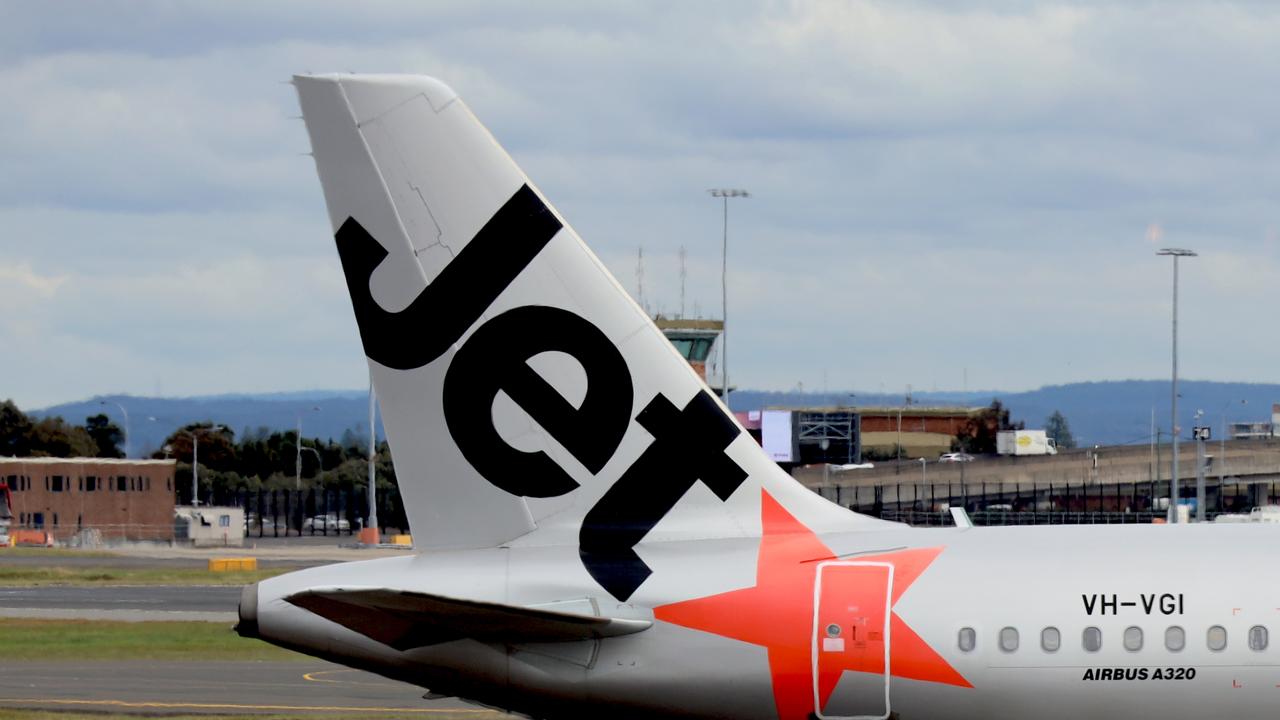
[(942, 420), (123, 499), (921, 431)]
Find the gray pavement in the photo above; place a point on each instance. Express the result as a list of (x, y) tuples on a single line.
[(225, 688), (199, 603), (191, 598)]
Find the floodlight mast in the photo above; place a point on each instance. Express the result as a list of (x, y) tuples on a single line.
[(725, 194), (1175, 253), (195, 459)]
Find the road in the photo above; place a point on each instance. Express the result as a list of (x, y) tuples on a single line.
[(227, 688)]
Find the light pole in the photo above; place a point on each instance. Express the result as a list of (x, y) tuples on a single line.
[(373, 457), (324, 520), (126, 423), (1175, 253), (319, 464), (297, 461), (195, 459), (1201, 435), (923, 476), (1222, 461), (724, 194)]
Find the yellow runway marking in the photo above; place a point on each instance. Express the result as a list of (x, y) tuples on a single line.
[(315, 677), (232, 706)]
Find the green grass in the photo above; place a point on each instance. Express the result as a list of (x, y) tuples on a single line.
[(50, 640), (30, 576), (53, 553)]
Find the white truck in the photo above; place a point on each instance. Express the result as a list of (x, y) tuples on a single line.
[(1025, 442)]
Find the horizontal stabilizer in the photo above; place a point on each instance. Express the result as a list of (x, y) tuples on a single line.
[(406, 620)]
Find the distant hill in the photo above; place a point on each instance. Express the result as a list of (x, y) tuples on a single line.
[(151, 420), (1113, 412), (1119, 412), (1103, 413)]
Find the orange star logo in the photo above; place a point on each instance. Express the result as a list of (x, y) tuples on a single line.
[(778, 614)]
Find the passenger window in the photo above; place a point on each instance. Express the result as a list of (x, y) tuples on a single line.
[(1092, 639), (1009, 639), (1175, 638), (967, 639), (1133, 639), (1258, 638), (1050, 639), (1217, 638)]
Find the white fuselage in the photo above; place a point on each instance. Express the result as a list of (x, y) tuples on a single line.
[(984, 583)]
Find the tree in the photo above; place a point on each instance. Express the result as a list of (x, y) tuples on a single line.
[(106, 435), (979, 434), (55, 437), (217, 447), (1056, 427), (15, 431)]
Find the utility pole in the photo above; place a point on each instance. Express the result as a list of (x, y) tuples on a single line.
[(1201, 434), (684, 276), (297, 460), (1222, 450), (1152, 475), (1175, 253), (195, 460), (725, 194), (1159, 463), (373, 456)]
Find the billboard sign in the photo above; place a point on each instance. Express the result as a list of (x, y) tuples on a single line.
[(777, 435)]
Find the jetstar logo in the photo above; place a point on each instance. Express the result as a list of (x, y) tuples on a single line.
[(778, 614), (689, 441)]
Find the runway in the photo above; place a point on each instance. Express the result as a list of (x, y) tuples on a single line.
[(210, 603), (226, 688)]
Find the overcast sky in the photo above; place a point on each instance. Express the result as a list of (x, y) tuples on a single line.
[(943, 195)]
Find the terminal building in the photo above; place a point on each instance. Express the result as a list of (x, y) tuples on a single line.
[(121, 499)]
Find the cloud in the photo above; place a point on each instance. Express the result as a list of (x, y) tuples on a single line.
[(936, 186), (23, 283)]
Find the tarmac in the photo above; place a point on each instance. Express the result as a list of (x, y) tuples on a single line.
[(124, 603), (306, 687), (226, 688)]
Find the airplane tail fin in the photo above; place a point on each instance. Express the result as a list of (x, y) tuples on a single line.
[(521, 387)]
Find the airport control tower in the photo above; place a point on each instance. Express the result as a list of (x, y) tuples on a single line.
[(700, 342)]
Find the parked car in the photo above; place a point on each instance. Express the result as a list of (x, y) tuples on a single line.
[(327, 522), (955, 457)]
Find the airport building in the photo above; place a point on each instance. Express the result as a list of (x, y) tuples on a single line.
[(922, 432), (1257, 430), (845, 435), (121, 499), (699, 342)]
